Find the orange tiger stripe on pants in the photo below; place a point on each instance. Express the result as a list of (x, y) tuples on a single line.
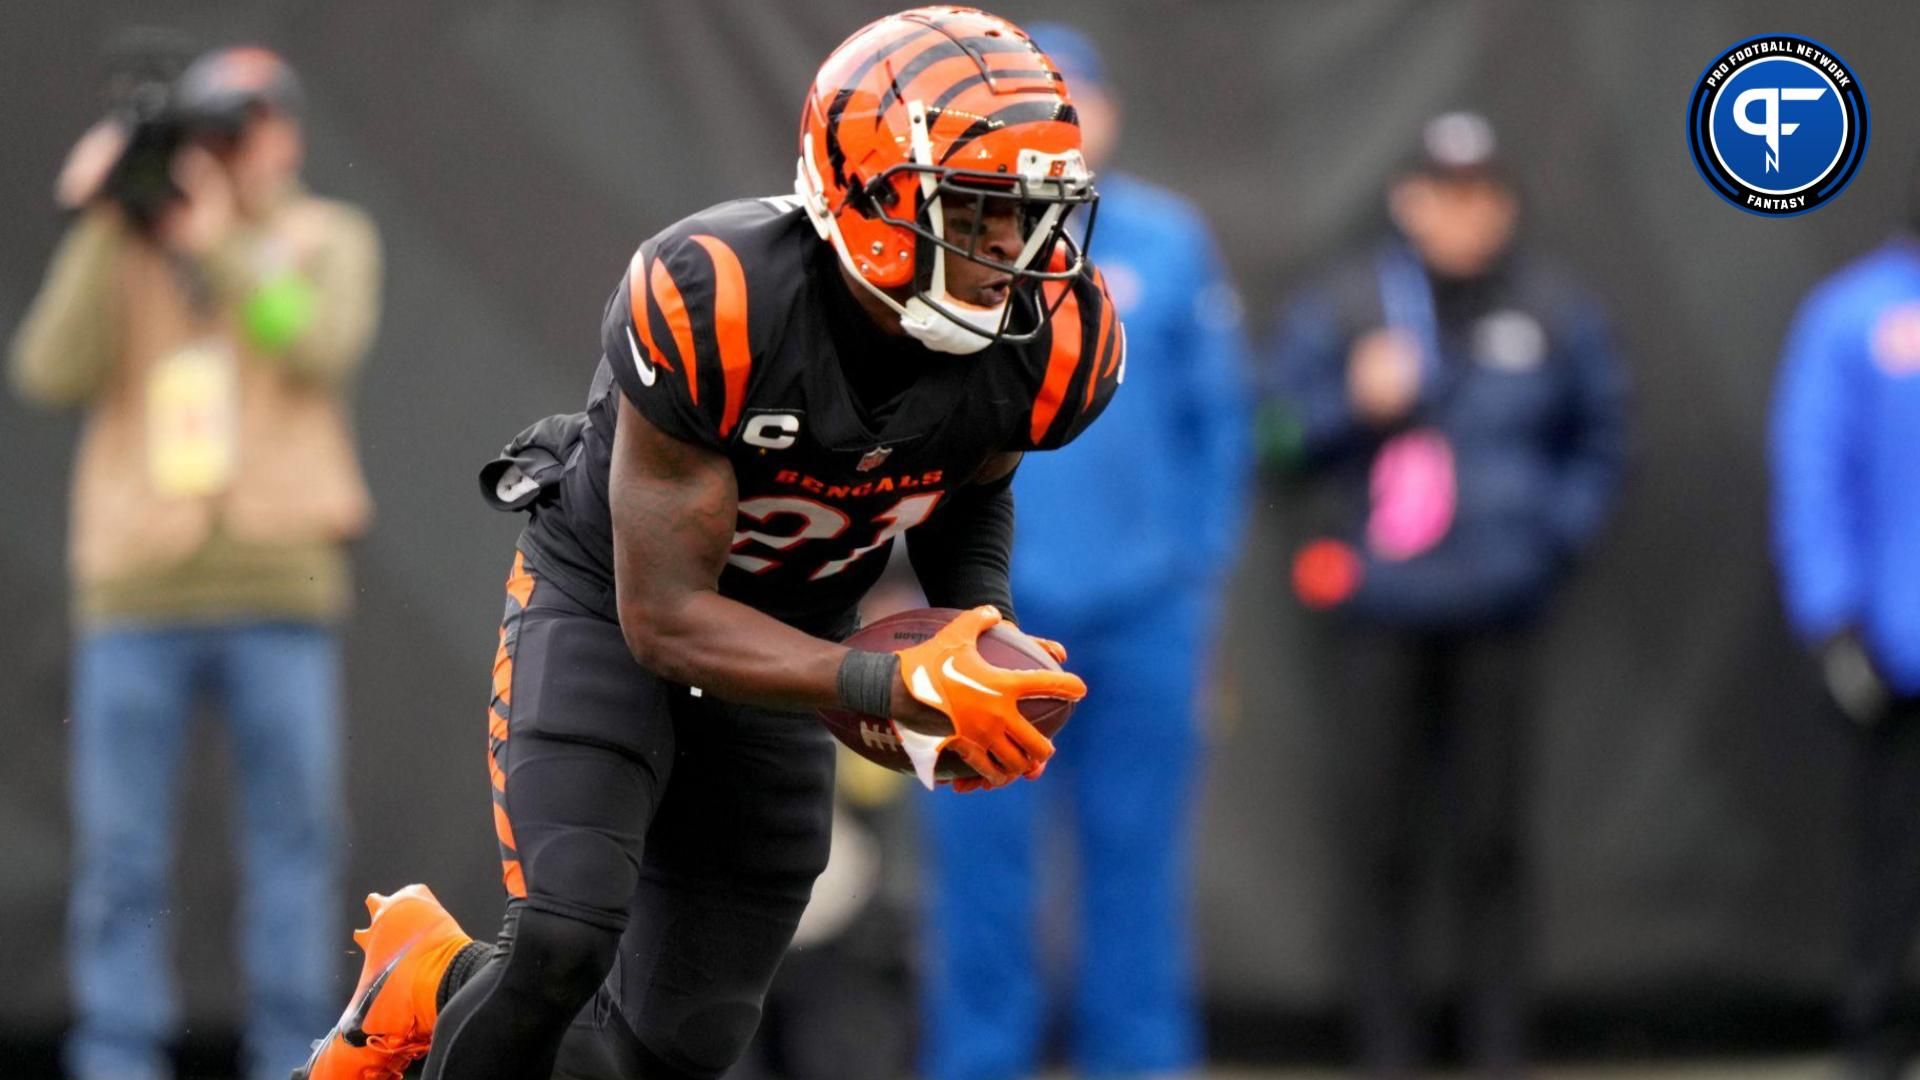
[(499, 710)]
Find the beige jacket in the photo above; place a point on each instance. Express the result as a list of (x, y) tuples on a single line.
[(113, 305)]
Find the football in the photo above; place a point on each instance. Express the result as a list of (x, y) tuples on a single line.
[(876, 739)]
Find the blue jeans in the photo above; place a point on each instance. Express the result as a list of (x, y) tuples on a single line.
[(277, 688), (1122, 785)]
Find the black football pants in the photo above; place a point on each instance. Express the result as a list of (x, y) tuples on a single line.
[(1431, 750), (658, 849), (1883, 892)]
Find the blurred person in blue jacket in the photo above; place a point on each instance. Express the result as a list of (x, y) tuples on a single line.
[(1460, 407), (1130, 537), (1846, 530)]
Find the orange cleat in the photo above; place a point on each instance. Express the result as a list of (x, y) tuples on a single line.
[(389, 1022)]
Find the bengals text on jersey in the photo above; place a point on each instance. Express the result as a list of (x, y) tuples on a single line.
[(721, 333)]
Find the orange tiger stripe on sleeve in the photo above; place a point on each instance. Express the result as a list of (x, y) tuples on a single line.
[(637, 307), (1103, 343), (667, 294), (1061, 362), (730, 328)]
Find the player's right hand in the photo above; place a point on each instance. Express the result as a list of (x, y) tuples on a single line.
[(947, 673)]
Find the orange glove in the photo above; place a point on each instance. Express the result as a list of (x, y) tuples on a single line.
[(1053, 648), (947, 672), (966, 785)]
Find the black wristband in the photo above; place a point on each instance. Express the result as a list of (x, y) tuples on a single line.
[(866, 681)]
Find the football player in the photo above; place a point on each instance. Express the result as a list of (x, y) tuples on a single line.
[(788, 385)]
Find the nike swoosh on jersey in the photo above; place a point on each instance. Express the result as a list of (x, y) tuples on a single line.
[(646, 370)]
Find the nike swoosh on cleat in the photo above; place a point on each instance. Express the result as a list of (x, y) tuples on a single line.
[(350, 1024)]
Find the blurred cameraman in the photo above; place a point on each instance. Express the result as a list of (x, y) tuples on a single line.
[(207, 313)]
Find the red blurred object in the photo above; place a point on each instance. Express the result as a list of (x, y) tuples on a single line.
[(1326, 573)]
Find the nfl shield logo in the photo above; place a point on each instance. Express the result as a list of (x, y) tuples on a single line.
[(871, 459)]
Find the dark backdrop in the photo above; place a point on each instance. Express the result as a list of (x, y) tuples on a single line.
[(514, 154)]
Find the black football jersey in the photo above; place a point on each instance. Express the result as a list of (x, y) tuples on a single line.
[(719, 334)]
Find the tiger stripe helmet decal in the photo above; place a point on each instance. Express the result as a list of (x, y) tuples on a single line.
[(932, 104)]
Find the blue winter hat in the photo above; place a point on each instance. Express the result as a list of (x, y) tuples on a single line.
[(1071, 51)]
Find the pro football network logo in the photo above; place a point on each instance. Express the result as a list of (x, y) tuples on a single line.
[(1778, 125)]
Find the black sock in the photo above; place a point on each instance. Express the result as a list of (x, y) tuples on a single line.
[(508, 1021), (465, 963)]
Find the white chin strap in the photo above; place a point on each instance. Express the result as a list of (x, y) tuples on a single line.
[(921, 322), (943, 334)]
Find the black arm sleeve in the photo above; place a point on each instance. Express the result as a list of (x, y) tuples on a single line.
[(960, 555)]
